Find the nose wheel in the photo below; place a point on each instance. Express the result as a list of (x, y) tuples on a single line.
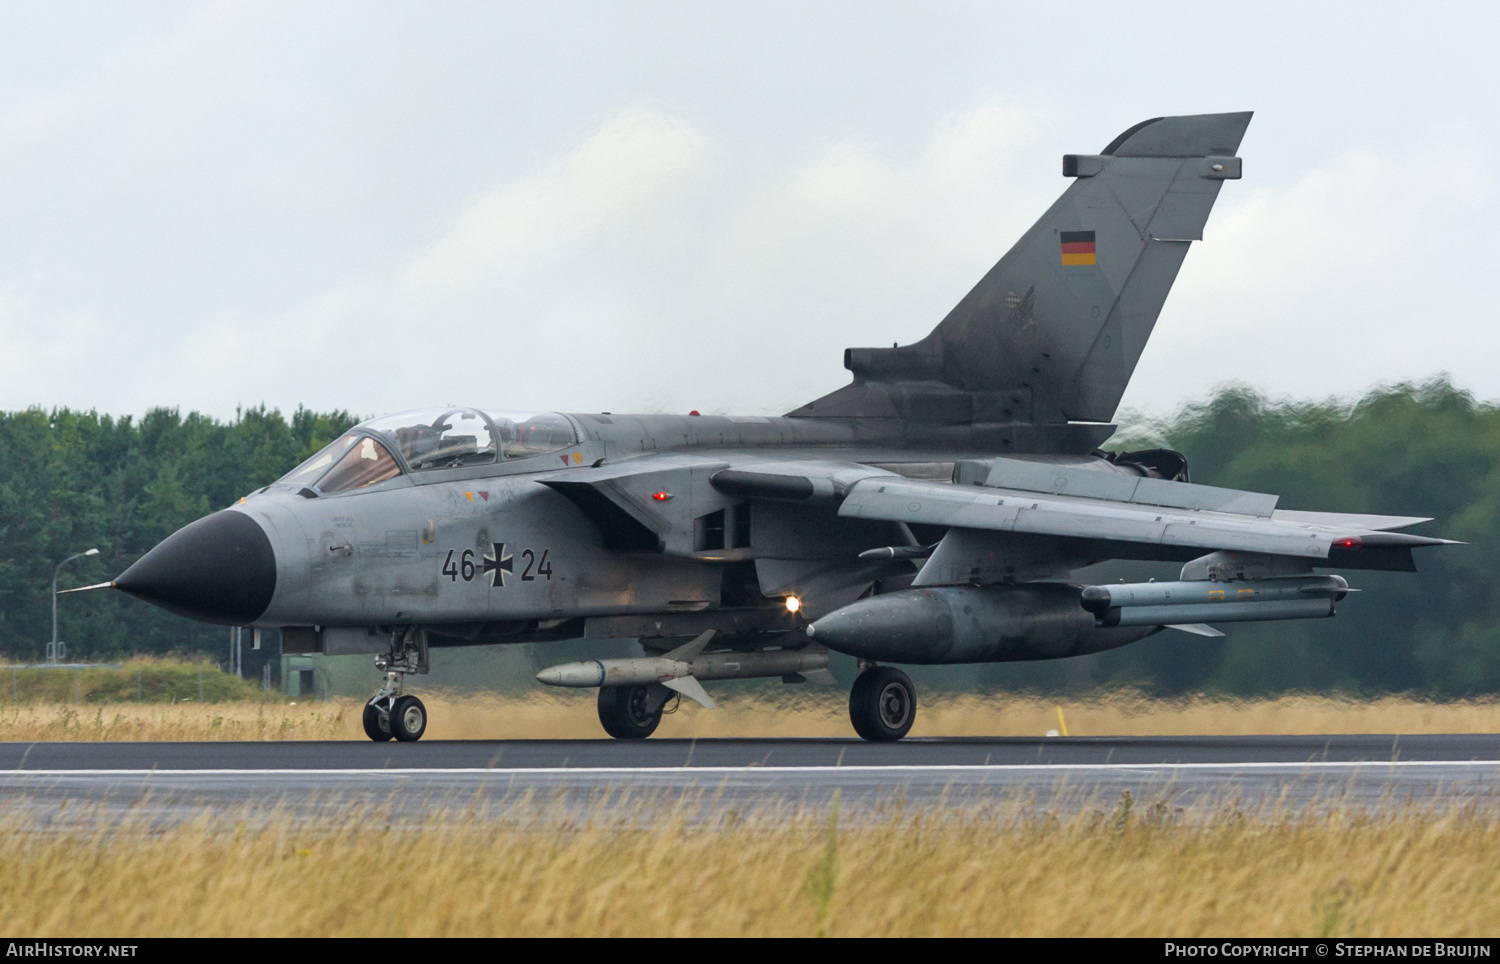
[(408, 719), (882, 704), (377, 722), (402, 718)]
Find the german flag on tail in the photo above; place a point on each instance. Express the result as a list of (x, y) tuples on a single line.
[(1077, 248)]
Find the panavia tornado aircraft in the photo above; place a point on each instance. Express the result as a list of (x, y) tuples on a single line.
[(932, 511)]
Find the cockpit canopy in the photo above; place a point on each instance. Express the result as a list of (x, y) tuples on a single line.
[(454, 437), (433, 439)]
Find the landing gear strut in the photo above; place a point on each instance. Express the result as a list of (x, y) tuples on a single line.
[(392, 712), (632, 712), (882, 704)]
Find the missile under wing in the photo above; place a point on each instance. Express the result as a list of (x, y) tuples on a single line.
[(934, 510)]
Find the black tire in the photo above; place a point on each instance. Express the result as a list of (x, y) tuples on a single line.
[(882, 704), (377, 724), (408, 719), (622, 710)]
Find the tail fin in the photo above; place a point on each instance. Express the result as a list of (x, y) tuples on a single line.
[(1053, 332)]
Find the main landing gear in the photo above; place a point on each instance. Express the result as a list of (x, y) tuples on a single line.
[(392, 712), (883, 703), (632, 712), (882, 706)]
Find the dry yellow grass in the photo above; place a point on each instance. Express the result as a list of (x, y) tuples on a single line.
[(571, 715), (951, 873), (1008, 869)]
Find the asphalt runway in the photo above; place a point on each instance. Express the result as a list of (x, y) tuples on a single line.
[(60, 784)]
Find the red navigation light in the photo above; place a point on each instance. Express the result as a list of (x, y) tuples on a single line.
[(1353, 542), (661, 496)]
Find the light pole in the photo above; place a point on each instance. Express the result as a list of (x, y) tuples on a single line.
[(55, 648)]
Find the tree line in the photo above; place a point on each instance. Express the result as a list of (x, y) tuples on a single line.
[(1426, 450), (70, 481)]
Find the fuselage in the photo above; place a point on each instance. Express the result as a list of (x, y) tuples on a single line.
[(486, 542)]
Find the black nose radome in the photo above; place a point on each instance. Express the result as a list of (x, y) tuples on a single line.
[(220, 569)]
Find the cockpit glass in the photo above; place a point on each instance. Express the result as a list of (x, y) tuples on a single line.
[(440, 439), (308, 472), (457, 437), (527, 434), (366, 463)]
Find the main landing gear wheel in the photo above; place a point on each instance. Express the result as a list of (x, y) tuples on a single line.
[(408, 719), (626, 712), (377, 723), (882, 704)]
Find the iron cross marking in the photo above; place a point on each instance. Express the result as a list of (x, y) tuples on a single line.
[(497, 562)]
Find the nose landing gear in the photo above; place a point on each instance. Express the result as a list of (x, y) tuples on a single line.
[(377, 720), (391, 712), (408, 719)]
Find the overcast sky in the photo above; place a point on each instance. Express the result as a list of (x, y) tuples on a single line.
[(662, 206)]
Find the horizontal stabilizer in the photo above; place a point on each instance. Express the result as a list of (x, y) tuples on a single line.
[(1088, 483), (1405, 540), (1352, 520)]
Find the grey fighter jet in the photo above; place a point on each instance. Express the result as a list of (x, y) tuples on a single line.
[(931, 511)]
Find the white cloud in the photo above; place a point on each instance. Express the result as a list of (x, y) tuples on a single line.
[(628, 273), (623, 180), (853, 247), (341, 206), (861, 222), (1363, 270), (154, 68)]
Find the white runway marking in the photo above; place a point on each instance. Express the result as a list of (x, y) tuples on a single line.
[(681, 770)]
